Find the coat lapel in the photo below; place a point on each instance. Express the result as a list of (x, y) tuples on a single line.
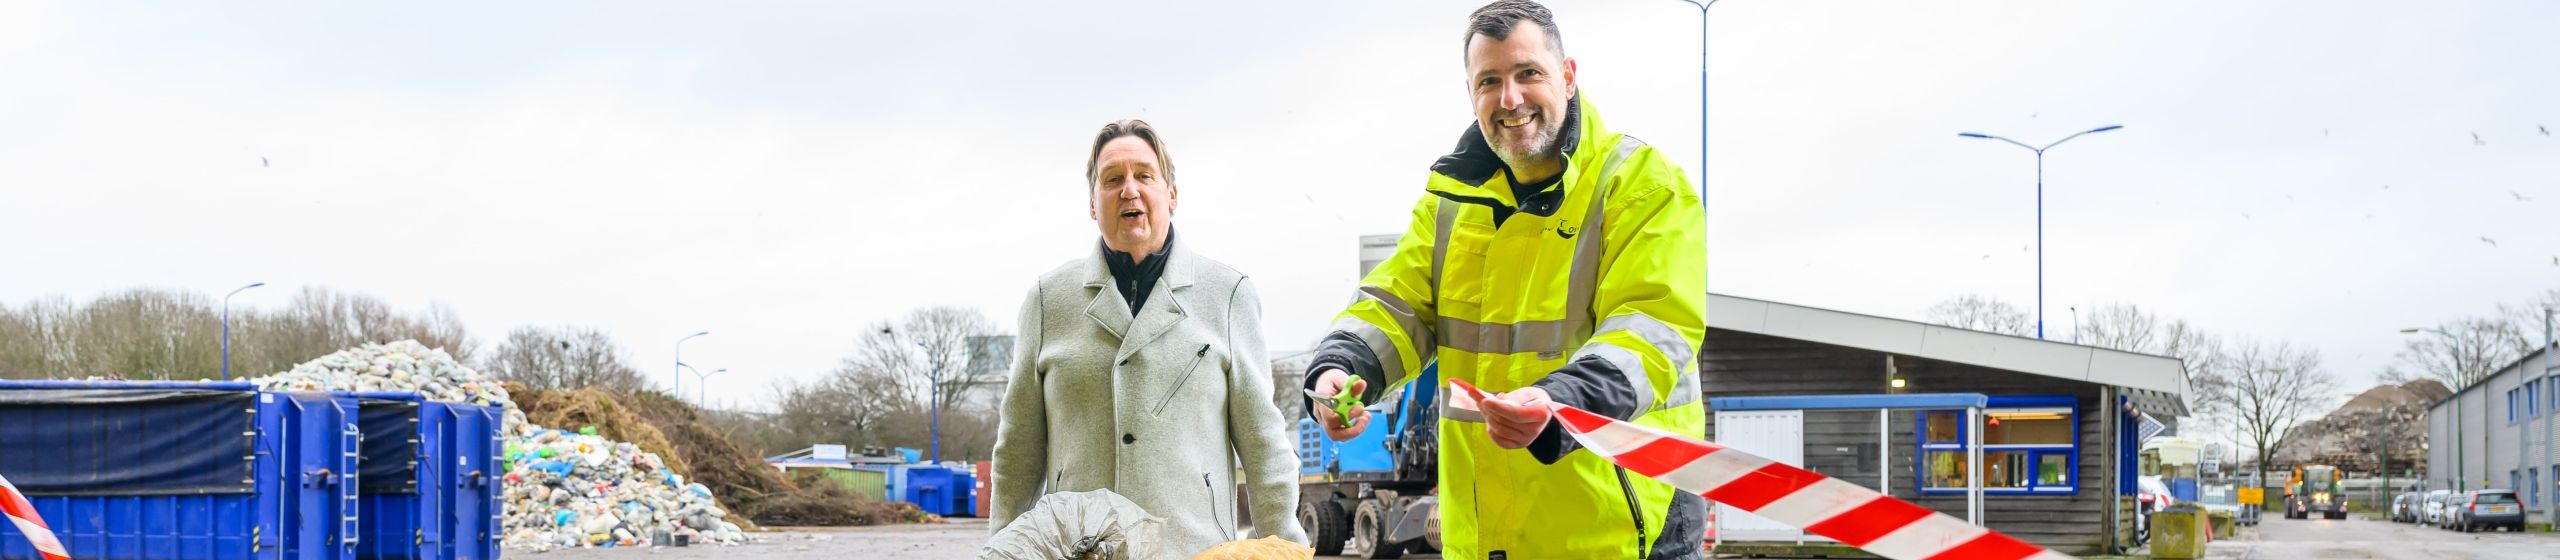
[(1164, 305), (1107, 308)]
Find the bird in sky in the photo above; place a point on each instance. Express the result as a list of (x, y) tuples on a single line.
[(2476, 141), (2520, 197), (2245, 216), (2545, 131), (262, 161), (2491, 242)]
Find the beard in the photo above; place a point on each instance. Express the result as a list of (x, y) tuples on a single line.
[(1540, 145)]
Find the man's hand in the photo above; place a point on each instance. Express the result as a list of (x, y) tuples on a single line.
[(1515, 418), (1332, 382)]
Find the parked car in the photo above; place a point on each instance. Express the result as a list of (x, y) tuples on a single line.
[(2431, 508), (2404, 507), (2487, 509)]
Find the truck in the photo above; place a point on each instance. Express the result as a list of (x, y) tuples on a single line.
[(2315, 489), (1375, 492)]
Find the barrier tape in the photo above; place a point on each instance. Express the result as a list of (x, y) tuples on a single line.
[(23, 514), (1845, 512)]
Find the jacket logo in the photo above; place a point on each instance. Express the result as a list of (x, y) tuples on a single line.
[(1566, 231)]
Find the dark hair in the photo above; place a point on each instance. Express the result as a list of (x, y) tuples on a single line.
[(1497, 19), (1127, 127)]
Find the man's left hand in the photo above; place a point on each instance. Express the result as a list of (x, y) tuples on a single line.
[(1515, 418)]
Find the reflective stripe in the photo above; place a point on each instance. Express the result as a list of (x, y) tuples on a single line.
[(1452, 412), (1447, 221), (1629, 365), (1408, 319), (1685, 390), (1588, 253), (1653, 332), (1390, 362), (1503, 338)]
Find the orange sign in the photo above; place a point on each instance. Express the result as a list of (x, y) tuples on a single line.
[(2253, 496)]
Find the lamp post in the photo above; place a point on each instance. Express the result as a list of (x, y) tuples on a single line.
[(703, 392), (2040, 206), (226, 327), (2459, 426), (933, 399), (677, 375), (936, 398), (1702, 97)]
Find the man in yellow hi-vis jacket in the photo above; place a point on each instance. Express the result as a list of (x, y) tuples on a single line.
[(1553, 260)]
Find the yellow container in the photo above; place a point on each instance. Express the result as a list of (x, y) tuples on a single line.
[(2179, 534)]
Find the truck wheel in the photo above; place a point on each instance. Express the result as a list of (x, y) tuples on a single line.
[(1325, 525), (1369, 529)]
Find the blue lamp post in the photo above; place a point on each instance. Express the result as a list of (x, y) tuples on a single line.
[(2040, 206)]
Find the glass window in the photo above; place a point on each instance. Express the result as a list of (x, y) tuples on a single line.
[(2025, 449)]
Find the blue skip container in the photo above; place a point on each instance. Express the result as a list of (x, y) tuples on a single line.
[(429, 488), (181, 470)]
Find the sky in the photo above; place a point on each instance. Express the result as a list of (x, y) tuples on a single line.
[(787, 174)]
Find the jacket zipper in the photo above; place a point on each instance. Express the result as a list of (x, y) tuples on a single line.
[(1215, 514), (1196, 358), (1634, 511)]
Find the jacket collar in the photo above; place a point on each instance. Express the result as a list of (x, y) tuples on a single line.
[(1473, 174), (1164, 302)]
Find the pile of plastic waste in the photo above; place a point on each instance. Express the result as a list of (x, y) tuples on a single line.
[(563, 489), (570, 489)]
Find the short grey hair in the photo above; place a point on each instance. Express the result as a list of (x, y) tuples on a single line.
[(1127, 127), (1499, 18)]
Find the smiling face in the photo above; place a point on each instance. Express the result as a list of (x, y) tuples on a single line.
[(1520, 85), (1133, 196)]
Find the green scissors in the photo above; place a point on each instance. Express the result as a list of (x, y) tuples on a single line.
[(1343, 403)]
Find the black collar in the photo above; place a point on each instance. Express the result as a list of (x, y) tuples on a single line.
[(1474, 161), (1134, 278)]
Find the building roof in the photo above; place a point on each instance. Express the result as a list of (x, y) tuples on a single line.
[(2147, 378)]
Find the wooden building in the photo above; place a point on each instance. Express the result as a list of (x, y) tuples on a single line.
[(2058, 440)]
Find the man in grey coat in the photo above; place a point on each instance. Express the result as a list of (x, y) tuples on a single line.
[(1140, 369)]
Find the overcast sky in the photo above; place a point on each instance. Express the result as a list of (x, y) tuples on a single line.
[(787, 174)]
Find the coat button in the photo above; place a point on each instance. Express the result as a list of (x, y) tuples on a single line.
[(1128, 438)]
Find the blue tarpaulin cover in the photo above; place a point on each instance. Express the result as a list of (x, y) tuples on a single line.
[(390, 447), (127, 442)]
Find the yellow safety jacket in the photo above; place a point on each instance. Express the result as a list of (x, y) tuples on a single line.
[(1617, 269)]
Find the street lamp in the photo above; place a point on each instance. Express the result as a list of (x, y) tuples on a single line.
[(2040, 206), (226, 327), (2460, 428), (934, 399), (1702, 97), (702, 393), (678, 373)]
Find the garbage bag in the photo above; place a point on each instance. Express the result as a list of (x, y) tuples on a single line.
[(1095, 525)]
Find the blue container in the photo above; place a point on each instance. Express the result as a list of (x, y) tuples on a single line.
[(181, 470), (424, 487), (942, 491)]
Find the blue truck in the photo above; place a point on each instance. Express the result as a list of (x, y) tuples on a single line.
[(1375, 492)]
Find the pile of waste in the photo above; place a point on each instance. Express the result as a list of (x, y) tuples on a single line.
[(567, 490), (563, 489)]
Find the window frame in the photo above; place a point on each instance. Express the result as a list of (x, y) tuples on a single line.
[(2068, 405)]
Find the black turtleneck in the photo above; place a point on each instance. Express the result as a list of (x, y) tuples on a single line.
[(1136, 278)]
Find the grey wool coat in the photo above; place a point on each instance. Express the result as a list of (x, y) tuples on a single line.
[(1159, 407)]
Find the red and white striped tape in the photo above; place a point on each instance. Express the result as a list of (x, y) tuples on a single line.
[(1851, 514), (23, 515)]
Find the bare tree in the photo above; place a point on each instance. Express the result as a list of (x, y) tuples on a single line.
[(2124, 327), (564, 358), (2273, 387), (2460, 352), (166, 334), (1981, 313)]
